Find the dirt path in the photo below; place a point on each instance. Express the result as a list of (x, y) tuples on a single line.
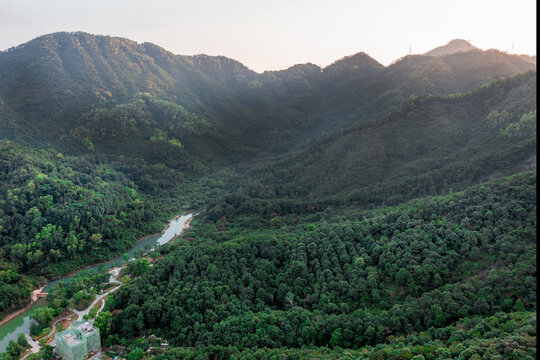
[(34, 346), (186, 224), (78, 314), (98, 298)]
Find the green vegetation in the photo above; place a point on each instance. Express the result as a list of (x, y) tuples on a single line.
[(502, 336), (148, 128), (103, 323), (43, 317), (342, 279), (137, 267), (14, 288), (58, 213), (429, 146), (349, 212)]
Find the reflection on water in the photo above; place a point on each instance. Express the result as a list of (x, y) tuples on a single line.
[(21, 323), (146, 245)]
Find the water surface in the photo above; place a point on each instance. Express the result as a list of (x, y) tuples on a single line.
[(21, 323)]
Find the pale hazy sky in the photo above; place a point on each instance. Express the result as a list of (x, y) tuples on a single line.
[(275, 34)]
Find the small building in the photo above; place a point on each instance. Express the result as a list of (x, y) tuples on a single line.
[(78, 341), (69, 346), (86, 330)]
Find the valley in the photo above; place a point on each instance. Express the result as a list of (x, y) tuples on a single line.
[(20, 324), (353, 211)]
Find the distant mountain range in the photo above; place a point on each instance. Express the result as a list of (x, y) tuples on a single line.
[(51, 82), (460, 45)]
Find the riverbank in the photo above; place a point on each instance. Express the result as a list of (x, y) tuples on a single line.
[(167, 225), (20, 321), (141, 239), (33, 299), (187, 223)]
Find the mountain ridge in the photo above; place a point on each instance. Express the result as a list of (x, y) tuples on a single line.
[(453, 46), (354, 210), (69, 74)]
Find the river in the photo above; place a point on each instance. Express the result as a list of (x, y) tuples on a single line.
[(21, 323)]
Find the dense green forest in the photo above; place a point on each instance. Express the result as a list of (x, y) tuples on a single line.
[(56, 208), (59, 213), (343, 278), (429, 146), (346, 212)]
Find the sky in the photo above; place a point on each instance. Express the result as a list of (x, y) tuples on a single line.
[(276, 34)]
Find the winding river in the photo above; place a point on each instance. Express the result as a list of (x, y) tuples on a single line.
[(21, 323)]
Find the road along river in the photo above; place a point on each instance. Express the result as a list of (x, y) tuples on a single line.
[(21, 323)]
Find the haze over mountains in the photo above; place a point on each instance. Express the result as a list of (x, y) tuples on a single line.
[(67, 74), (352, 211), (453, 46)]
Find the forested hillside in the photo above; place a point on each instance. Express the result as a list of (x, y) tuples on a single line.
[(55, 82), (59, 213), (57, 209), (431, 145), (344, 278), (345, 212)]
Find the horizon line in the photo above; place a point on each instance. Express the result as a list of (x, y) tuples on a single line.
[(12, 48)]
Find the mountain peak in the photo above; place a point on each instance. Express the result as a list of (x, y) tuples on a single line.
[(453, 46), (359, 65), (360, 59)]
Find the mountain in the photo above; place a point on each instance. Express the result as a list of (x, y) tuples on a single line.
[(70, 73), (528, 58), (56, 81), (428, 146), (357, 67), (353, 211), (454, 46), (418, 75)]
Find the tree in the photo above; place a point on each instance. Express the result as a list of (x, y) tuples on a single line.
[(14, 349), (21, 340), (337, 338), (103, 322), (43, 315), (402, 277), (138, 267), (46, 351), (518, 306), (136, 354)]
